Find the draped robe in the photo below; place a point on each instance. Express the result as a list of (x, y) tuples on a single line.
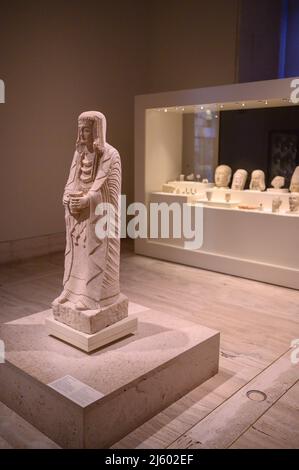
[(91, 264)]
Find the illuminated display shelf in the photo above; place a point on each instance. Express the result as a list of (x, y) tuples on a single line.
[(255, 244)]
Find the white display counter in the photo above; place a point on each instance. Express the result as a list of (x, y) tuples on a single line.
[(248, 243)]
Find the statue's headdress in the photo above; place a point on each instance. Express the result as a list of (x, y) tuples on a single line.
[(97, 122)]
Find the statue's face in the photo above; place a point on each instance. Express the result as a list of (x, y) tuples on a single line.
[(294, 203), (295, 178), (256, 178), (86, 136), (239, 179), (295, 181), (221, 177), (277, 182)]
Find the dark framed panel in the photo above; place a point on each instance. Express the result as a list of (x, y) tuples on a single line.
[(283, 155)]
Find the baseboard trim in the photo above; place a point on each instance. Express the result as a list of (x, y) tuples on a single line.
[(17, 250)]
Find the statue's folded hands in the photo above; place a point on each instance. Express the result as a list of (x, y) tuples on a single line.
[(79, 203)]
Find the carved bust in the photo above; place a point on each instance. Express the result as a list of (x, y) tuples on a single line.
[(278, 182), (223, 174), (294, 188), (294, 203), (257, 182), (239, 179)]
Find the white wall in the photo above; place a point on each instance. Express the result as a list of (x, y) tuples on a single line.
[(163, 148)]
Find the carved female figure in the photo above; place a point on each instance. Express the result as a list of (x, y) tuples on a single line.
[(91, 275)]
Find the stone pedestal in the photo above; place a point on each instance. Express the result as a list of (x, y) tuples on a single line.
[(92, 401), (87, 342), (91, 321), (91, 329)]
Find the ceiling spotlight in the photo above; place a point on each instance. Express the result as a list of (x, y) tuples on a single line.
[(165, 110), (221, 106), (183, 109), (266, 102), (243, 104), (201, 107)]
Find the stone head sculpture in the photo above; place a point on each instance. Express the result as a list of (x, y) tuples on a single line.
[(294, 203), (278, 182), (257, 182), (223, 176), (294, 188), (91, 131), (239, 179)]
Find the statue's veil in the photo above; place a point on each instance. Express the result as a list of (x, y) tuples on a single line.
[(98, 122)]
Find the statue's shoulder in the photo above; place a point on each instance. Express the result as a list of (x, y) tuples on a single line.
[(111, 152), (76, 155)]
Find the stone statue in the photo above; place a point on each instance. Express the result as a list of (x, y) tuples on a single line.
[(91, 275), (278, 182), (294, 203), (257, 182), (223, 174), (276, 203), (239, 180), (294, 188), (278, 185)]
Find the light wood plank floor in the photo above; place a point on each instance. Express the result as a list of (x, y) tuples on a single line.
[(257, 324)]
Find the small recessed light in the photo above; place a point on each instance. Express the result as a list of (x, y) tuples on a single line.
[(201, 107), (165, 110), (256, 395), (221, 106), (266, 102), (243, 104)]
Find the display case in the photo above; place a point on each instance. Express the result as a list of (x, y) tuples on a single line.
[(180, 140)]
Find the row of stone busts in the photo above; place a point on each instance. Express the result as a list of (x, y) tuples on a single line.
[(223, 175)]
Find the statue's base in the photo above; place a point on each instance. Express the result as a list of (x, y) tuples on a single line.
[(91, 321), (87, 342), (93, 400)]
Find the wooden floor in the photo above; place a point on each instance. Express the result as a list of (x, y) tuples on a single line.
[(257, 324)]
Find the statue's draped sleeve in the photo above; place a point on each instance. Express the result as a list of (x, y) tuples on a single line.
[(69, 187)]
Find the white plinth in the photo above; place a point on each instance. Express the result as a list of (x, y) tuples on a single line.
[(93, 400), (215, 203), (87, 342), (278, 191)]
